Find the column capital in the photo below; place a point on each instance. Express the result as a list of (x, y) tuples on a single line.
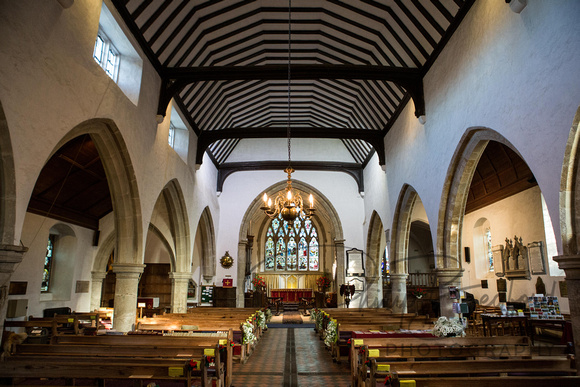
[(128, 270), (12, 253), (177, 276), (399, 276), (98, 275), (570, 264)]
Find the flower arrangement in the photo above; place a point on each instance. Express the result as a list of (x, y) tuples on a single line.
[(448, 328), (331, 333), (268, 314), (418, 292), (261, 319), (259, 283), (323, 282), (248, 333)]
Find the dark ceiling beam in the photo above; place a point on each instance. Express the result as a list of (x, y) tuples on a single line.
[(175, 79), (373, 137), (352, 169)]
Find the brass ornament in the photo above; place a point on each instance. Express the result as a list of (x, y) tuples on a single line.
[(227, 261)]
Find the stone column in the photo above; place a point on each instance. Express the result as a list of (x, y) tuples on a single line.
[(399, 292), (97, 278), (10, 258), (571, 265), (179, 285), (128, 275), (340, 259), (448, 277), (374, 298), (241, 268)]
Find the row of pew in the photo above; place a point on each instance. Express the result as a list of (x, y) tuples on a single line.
[(192, 349), (399, 357)]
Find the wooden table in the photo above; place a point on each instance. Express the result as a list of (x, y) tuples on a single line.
[(522, 321), (559, 325)]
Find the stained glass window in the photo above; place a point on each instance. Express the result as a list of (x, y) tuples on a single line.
[(292, 246), (488, 252), (45, 285)]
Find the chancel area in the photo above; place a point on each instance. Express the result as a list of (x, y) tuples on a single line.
[(293, 193)]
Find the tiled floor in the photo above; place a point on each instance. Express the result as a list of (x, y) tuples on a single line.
[(290, 357)]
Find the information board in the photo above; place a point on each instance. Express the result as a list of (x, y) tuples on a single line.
[(207, 294)]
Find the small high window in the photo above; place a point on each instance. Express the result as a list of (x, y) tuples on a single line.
[(106, 55), (171, 137), (488, 252), (45, 285)]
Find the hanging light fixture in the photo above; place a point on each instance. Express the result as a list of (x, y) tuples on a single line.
[(288, 203)]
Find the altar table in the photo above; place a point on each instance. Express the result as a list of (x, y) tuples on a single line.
[(291, 295)]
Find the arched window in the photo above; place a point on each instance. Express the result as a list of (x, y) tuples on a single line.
[(488, 252), (291, 246), (48, 258)]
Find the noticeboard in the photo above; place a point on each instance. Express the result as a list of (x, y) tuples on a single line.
[(207, 293)]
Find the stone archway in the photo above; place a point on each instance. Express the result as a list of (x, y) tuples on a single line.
[(181, 266), (127, 213), (208, 258), (570, 225), (452, 208), (10, 252), (326, 218), (376, 243), (399, 247)]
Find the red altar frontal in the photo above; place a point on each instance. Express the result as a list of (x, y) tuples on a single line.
[(291, 295)]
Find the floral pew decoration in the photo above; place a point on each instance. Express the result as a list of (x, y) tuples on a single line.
[(248, 332), (445, 327), (331, 333)]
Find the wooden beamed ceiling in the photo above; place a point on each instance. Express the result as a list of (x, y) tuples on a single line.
[(354, 65)]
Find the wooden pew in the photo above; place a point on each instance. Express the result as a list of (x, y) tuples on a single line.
[(436, 359), (86, 361)]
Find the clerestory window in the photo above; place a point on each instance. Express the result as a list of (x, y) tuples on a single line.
[(106, 55), (48, 260)]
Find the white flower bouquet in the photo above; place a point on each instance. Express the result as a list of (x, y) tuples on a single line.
[(248, 333), (447, 328), (330, 335), (261, 319)]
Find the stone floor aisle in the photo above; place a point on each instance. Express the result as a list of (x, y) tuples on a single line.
[(290, 357)]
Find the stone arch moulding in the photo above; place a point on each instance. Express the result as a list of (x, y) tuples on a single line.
[(208, 259), (122, 184), (326, 214), (7, 185), (167, 244), (570, 192), (375, 247), (401, 229), (175, 202), (455, 192)]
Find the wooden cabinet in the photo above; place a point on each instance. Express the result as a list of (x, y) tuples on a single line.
[(224, 297)]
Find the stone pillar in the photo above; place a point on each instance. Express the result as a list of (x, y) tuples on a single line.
[(571, 265), (374, 296), (448, 277), (179, 285), (128, 275), (399, 292), (10, 258), (97, 278), (241, 267), (340, 259)]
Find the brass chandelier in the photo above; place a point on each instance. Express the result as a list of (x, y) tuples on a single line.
[(288, 203)]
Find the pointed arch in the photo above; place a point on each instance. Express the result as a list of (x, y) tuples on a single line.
[(122, 185), (570, 192), (7, 185), (208, 259), (401, 229), (176, 206), (455, 192), (375, 244)]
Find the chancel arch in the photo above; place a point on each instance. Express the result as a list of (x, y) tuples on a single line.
[(205, 245), (254, 233), (376, 244)]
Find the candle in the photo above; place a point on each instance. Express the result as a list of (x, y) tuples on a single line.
[(311, 199)]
